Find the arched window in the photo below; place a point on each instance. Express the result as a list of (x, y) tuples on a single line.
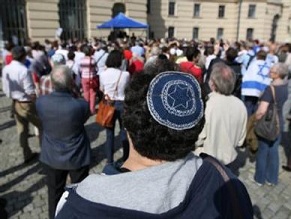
[(73, 19), (274, 27), (13, 21), (118, 7)]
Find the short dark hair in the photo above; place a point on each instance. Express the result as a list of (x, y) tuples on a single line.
[(114, 59), (18, 53), (151, 139), (231, 54), (71, 55), (87, 50), (261, 55), (191, 53), (161, 64), (9, 46), (209, 50)]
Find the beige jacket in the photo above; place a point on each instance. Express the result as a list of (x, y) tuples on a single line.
[(225, 127)]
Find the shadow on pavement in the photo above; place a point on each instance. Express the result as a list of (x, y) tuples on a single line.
[(257, 212), (98, 152), (3, 212), (93, 131), (5, 109), (2, 95), (20, 178), (23, 198), (16, 168), (7, 125), (285, 143)]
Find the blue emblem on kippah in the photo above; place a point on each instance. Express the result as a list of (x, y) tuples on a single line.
[(174, 100)]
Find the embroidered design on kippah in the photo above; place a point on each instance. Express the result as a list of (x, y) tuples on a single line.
[(174, 100), (183, 106)]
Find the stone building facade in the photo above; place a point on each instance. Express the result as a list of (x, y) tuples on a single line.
[(228, 19), (198, 19), (40, 19)]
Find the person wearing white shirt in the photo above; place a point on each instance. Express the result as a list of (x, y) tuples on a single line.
[(243, 58), (18, 85), (112, 83), (63, 51), (79, 55), (138, 49), (272, 58), (100, 57), (255, 80), (210, 56)]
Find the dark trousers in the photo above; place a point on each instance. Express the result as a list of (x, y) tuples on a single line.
[(56, 181), (109, 149), (251, 104)]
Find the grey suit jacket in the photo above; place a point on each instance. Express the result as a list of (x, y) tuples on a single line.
[(65, 144)]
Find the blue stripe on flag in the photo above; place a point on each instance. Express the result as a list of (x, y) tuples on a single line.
[(254, 85)]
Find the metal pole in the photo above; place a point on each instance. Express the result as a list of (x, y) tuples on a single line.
[(238, 20)]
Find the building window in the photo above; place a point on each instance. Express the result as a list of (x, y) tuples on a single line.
[(72, 15), (196, 10), (148, 6), (13, 21), (172, 8), (171, 32), (221, 10), (219, 33), (250, 34), (117, 8), (252, 11), (195, 33)]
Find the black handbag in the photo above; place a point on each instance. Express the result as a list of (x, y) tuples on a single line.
[(268, 126)]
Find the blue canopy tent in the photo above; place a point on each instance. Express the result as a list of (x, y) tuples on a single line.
[(121, 21)]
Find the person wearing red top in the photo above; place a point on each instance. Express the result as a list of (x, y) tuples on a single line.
[(8, 57), (88, 75), (190, 66), (127, 54), (136, 64)]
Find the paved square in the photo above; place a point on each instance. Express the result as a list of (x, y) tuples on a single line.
[(24, 187)]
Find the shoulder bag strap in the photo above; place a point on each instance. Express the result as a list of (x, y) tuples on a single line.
[(100, 58), (90, 69), (116, 87), (273, 94), (229, 185)]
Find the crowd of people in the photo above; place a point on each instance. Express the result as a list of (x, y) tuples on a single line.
[(171, 98)]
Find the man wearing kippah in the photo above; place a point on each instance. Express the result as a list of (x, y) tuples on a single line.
[(162, 178), (18, 85)]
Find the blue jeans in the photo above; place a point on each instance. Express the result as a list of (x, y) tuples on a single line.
[(267, 161), (109, 147)]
